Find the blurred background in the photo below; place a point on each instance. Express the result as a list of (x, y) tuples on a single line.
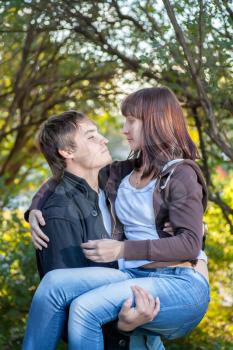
[(88, 55)]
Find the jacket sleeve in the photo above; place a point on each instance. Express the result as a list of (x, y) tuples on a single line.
[(63, 249), (44, 192), (185, 215)]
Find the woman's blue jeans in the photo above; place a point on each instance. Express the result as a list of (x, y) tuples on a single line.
[(95, 296)]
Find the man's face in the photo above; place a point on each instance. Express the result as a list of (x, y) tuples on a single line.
[(92, 151)]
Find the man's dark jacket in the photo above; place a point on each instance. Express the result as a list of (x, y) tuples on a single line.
[(72, 216)]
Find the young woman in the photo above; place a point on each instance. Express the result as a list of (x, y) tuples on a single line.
[(160, 183)]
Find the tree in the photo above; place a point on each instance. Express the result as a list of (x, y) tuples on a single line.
[(88, 55), (185, 45)]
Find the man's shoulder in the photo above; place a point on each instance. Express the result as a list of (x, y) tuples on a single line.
[(60, 204)]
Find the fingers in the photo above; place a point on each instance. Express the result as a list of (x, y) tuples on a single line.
[(143, 296), (36, 217), (91, 249), (38, 233), (39, 216), (141, 299), (89, 244), (168, 228), (126, 306), (37, 241), (90, 253), (157, 307), (37, 246), (97, 243), (151, 299), (146, 305)]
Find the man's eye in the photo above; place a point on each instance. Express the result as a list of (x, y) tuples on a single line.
[(91, 137)]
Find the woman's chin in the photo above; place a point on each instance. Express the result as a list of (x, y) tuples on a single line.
[(134, 148)]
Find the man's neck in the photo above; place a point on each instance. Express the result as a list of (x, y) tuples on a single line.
[(90, 175)]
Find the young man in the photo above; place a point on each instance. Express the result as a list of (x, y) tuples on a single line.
[(76, 210)]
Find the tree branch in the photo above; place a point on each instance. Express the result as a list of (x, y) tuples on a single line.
[(205, 102), (200, 37)]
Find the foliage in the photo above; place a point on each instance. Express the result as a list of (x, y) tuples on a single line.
[(18, 277), (56, 56), (87, 56), (18, 280)]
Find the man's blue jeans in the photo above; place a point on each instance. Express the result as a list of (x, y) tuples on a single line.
[(95, 296)]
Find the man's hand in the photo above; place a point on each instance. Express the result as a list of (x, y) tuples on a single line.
[(39, 239), (146, 310), (103, 250), (168, 228)]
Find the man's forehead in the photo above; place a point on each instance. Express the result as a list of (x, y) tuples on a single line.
[(87, 126)]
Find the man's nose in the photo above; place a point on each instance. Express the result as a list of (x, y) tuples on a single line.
[(103, 140)]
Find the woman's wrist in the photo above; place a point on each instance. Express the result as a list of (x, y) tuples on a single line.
[(122, 249)]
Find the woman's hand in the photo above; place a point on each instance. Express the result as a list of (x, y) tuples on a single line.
[(103, 250), (145, 310), (39, 239)]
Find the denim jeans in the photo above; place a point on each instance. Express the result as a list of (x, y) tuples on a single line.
[(95, 296), (143, 342)]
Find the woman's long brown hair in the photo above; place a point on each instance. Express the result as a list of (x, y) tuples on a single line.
[(165, 133)]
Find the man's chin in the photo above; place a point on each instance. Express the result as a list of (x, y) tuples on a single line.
[(107, 161), (101, 163)]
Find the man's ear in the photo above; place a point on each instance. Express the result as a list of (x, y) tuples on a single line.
[(67, 154)]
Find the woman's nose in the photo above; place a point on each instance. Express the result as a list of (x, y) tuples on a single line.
[(125, 129)]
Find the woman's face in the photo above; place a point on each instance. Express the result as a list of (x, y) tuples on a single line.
[(132, 129)]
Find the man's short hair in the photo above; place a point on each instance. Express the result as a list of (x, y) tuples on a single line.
[(58, 133)]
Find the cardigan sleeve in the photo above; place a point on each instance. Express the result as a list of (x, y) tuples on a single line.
[(44, 192)]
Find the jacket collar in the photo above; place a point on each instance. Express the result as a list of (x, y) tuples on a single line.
[(74, 181)]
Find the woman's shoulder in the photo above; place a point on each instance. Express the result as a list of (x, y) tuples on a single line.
[(189, 169), (188, 176), (186, 171)]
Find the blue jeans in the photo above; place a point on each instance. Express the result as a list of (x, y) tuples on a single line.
[(95, 296), (143, 342)]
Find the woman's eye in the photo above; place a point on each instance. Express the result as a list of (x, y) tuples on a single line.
[(131, 121), (91, 137)]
